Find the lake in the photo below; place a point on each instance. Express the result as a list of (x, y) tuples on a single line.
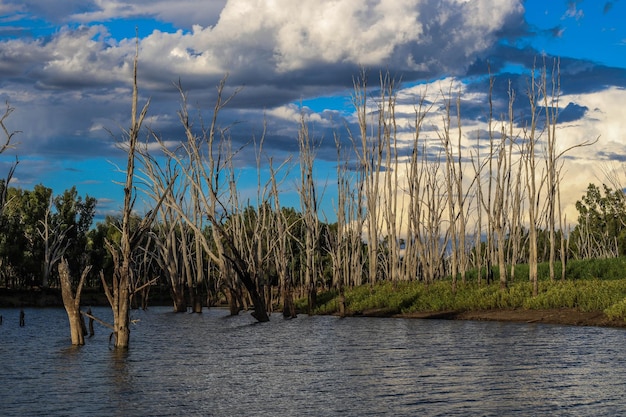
[(213, 365)]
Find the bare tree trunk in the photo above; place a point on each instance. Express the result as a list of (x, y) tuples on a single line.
[(199, 256), (453, 181), (55, 243), (370, 160), (389, 143), (309, 203), (119, 292), (205, 170), (281, 253), (8, 138), (551, 105), (415, 251), (71, 301), (529, 155)]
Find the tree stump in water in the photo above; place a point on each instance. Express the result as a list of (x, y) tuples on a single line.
[(91, 330), (71, 301)]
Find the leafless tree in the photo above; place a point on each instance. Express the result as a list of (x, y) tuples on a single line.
[(54, 240), (71, 301), (414, 247), (369, 150), (533, 182), (310, 216), (7, 143), (551, 91), (205, 163), (120, 288), (457, 194)]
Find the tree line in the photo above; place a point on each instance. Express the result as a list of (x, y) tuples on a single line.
[(411, 205)]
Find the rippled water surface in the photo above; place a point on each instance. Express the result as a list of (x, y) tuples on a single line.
[(214, 365)]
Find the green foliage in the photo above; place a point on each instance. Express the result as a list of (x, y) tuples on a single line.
[(617, 311), (584, 295), (611, 268), (23, 238), (601, 229), (412, 297)]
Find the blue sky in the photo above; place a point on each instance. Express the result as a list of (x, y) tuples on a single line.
[(64, 67)]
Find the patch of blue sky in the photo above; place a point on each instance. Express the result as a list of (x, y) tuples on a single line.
[(584, 31), (513, 68), (341, 103), (125, 28), (24, 25)]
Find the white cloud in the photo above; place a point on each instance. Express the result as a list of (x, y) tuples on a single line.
[(605, 119), (262, 40), (181, 13)]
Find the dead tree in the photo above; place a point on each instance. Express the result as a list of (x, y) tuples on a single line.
[(457, 195), (309, 203), (414, 245), (7, 144), (71, 301), (119, 292), (533, 182), (281, 252), (203, 160), (369, 150), (551, 93), (55, 244)]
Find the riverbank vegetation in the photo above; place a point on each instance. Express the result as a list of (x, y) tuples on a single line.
[(592, 286), (429, 215)]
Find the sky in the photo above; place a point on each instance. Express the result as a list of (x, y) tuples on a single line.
[(65, 67)]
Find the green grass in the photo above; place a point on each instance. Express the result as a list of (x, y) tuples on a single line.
[(595, 285)]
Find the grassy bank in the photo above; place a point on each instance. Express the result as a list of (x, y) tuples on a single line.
[(595, 285)]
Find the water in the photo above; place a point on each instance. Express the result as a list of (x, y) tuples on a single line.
[(214, 365)]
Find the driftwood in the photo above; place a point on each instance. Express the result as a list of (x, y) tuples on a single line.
[(102, 322)]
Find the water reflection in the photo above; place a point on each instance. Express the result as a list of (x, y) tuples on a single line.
[(211, 364)]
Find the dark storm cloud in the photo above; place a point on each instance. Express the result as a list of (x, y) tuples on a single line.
[(74, 84)]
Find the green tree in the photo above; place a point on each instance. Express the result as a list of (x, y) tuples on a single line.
[(34, 224), (23, 249), (74, 216), (601, 228)]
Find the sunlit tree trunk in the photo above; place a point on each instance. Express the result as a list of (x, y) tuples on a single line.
[(515, 227), (530, 163), (415, 251), (551, 108), (71, 301), (204, 162), (370, 153), (119, 292), (453, 180), (309, 203), (392, 214), (55, 243)]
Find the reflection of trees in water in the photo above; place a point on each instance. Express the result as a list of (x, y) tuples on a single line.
[(120, 379)]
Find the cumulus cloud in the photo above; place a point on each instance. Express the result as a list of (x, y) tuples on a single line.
[(72, 84), (260, 41), (68, 84)]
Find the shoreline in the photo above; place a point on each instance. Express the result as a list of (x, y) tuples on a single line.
[(560, 316)]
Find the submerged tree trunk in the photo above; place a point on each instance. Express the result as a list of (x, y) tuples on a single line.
[(71, 302), (119, 293), (289, 308), (234, 306)]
